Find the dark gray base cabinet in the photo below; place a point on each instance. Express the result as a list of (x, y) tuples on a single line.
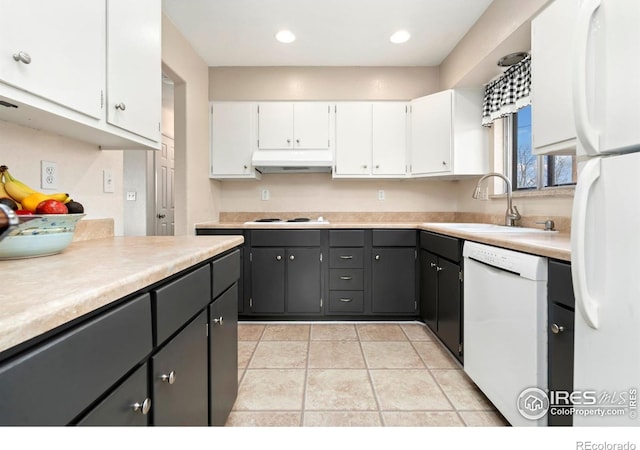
[(441, 289), (223, 355), (560, 334), (147, 360), (393, 275)]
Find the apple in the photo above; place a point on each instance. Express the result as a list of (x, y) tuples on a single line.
[(51, 207), (24, 212)]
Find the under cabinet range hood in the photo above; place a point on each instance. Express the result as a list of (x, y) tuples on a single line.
[(292, 161)]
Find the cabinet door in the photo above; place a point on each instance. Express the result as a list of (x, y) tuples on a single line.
[(179, 374), (429, 289), (223, 355), (560, 356), (303, 280), (134, 73), (118, 408), (389, 138), (311, 125), (431, 133), (65, 41), (275, 125), (394, 280), (232, 138), (267, 280), (353, 138), (553, 127), (449, 305)]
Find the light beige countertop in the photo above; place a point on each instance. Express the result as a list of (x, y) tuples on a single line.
[(552, 245), (42, 293)]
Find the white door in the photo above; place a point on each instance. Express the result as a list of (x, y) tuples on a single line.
[(165, 183), (134, 73), (232, 138), (353, 138), (431, 133), (311, 125), (604, 253), (389, 138), (60, 50), (275, 125)]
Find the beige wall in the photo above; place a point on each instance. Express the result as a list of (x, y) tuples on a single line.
[(321, 83), (197, 197), (80, 167)]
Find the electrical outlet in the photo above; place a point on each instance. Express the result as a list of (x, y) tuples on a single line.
[(131, 196), (381, 194), (264, 195), (107, 181), (49, 175)]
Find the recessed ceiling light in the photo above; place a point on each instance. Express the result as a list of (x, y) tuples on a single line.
[(400, 37), (285, 36)]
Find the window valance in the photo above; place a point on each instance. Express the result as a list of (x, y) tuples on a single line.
[(508, 93)]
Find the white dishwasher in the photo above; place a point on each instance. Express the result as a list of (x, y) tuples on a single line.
[(505, 316)]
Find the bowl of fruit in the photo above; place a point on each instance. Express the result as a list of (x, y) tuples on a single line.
[(47, 222)]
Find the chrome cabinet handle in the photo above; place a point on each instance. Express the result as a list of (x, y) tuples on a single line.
[(161, 216), (291, 257), (278, 258), (444, 163), (218, 320), (377, 166), (433, 265), (121, 106), (23, 57), (377, 257), (297, 141), (364, 166), (346, 278), (171, 378), (143, 408), (346, 256), (245, 167), (346, 300), (288, 141), (556, 329)]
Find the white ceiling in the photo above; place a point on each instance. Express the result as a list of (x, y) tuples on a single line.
[(329, 32)]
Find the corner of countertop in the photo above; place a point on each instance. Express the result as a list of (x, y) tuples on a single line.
[(87, 229)]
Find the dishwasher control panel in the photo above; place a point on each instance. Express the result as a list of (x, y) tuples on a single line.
[(523, 264)]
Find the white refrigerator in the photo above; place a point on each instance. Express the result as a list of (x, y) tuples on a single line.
[(605, 230)]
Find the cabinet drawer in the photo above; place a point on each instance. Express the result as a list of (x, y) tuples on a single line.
[(446, 246), (285, 238), (178, 301), (346, 279), (394, 238), (560, 285), (346, 258), (346, 238), (226, 271), (56, 381), (346, 301), (116, 409)]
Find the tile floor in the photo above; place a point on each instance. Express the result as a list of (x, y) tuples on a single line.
[(352, 374)]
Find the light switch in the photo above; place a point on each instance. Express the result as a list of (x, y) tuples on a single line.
[(381, 194), (264, 195)]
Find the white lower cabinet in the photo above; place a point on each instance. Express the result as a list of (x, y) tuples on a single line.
[(233, 140), (447, 138), (371, 140)]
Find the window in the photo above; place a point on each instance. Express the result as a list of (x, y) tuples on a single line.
[(529, 171)]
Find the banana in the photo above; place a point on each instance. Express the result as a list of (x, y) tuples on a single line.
[(3, 191), (18, 191)]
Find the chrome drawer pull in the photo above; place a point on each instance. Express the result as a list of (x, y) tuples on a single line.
[(143, 407), (218, 320), (346, 300), (171, 378), (346, 256), (346, 278), (555, 328)]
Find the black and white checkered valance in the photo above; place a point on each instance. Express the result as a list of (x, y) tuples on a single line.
[(508, 93)]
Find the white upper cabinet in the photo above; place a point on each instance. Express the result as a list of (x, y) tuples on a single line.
[(55, 50), (371, 140), (293, 125), (553, 127), (354, 133), (447, 138), (134, 71), (389, 156), (233, 139)]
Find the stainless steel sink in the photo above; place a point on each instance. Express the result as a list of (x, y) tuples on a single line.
[(486, 228)]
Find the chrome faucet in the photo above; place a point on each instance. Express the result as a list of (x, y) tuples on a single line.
[(512, 215)]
